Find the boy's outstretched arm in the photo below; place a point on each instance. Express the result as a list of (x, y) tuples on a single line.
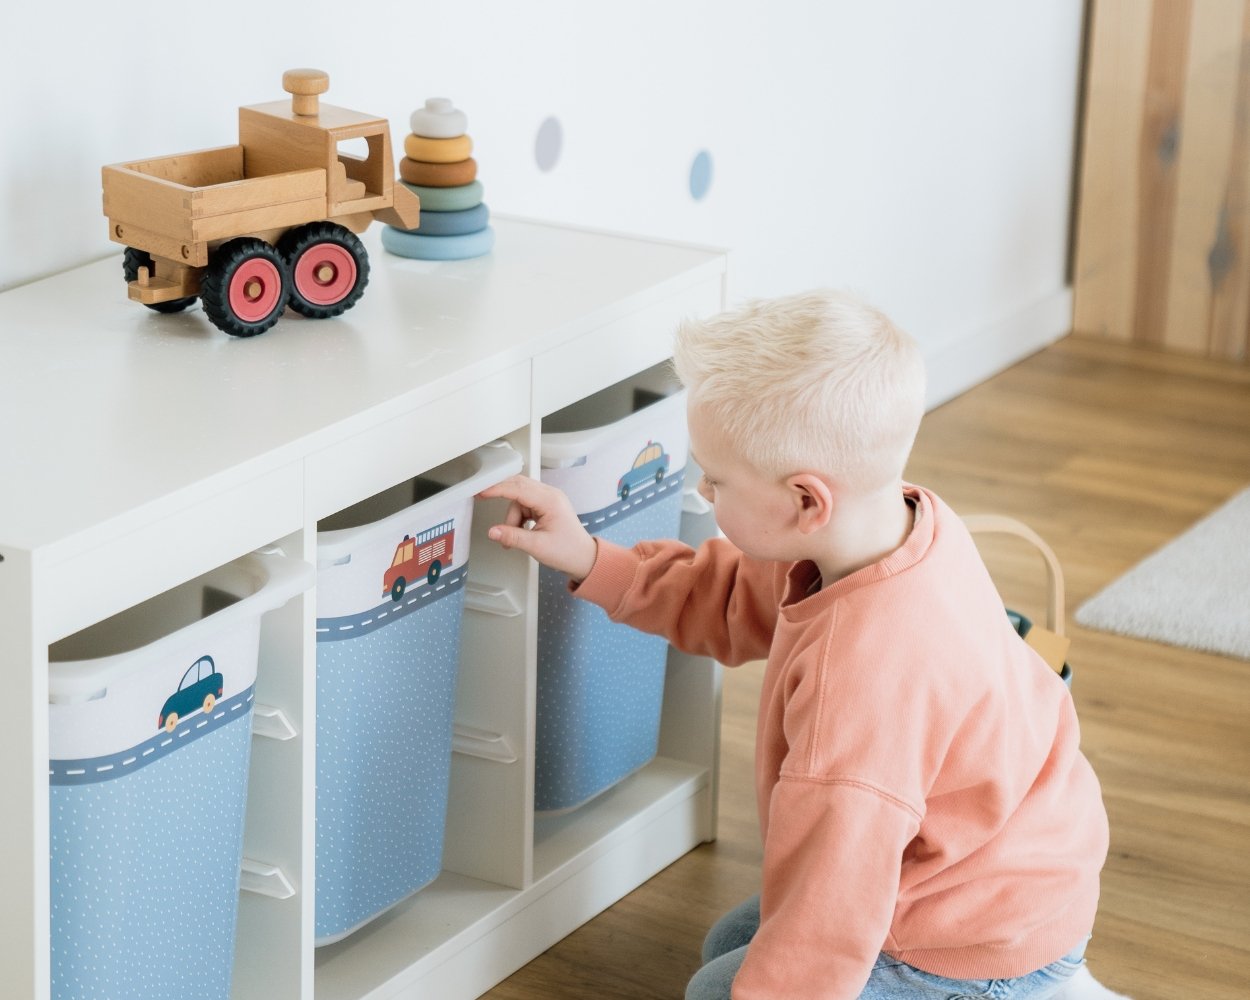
[(705, 602), (541, 522)]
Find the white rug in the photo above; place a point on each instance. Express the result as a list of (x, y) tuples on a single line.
[(1193, 592), (1083, 986)]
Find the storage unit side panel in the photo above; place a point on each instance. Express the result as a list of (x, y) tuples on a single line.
[(273, 955), (24, 920)]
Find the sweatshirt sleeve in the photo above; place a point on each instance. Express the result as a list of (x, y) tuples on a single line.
[(831, 876), (711, 601)]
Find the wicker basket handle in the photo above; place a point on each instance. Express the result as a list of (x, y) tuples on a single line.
[(1003, 525)]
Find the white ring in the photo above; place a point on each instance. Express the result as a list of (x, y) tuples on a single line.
[(439, 119)]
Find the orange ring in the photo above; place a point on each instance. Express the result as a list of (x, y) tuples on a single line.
[(418, 147), (438, 174)]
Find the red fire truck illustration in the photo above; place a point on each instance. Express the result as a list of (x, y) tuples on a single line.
[(426, 555)]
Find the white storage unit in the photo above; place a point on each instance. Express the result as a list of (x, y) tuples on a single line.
[(138, 451)]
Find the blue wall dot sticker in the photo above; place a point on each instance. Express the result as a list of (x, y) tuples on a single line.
[(700, 175), (547, 144)]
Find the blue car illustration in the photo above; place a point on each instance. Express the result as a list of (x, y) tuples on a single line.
[(651, 465), (200, 687)]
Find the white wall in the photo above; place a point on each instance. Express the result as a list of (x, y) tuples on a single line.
[(920, 153)]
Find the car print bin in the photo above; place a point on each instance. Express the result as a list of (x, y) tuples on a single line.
[(620, 455), (390, 594), (149, 735)]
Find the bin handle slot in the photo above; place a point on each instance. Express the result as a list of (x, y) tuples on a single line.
[(490, 599), (272, 723), (264, 880), (474, 742)]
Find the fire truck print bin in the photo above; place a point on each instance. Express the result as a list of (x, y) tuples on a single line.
[(418, 557), (390, 594), (149, 732), (620, 455)]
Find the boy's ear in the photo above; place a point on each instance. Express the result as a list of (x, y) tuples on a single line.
[(813, 501)]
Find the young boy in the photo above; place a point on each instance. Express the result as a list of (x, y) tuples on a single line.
[(930, 826)]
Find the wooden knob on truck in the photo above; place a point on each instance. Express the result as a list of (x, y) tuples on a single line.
[(304, 85)]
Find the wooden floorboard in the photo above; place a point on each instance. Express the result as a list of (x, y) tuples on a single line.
[(1108, 452)]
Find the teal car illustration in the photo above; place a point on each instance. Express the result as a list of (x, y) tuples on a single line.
[(651, 465), (200, 687)]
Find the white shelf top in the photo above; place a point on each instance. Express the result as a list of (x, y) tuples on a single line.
[(107, 407)]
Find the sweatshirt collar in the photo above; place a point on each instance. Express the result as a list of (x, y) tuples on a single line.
[(799, 603)]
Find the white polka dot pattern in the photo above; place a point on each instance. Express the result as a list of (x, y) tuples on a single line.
[(385, 703), (145, 874), (600, 684)]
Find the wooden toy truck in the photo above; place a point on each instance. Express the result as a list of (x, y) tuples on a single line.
[(268, 222)]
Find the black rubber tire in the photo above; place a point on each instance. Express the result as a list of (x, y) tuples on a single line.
[(134, 259), (297, 241), (215, 288)]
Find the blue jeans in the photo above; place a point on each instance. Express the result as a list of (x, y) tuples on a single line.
[(726, 947)]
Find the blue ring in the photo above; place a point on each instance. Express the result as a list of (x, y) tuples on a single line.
[(418, 247), (469, 220), (448, 199)]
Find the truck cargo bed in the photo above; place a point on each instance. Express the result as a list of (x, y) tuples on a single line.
[(193, 198)]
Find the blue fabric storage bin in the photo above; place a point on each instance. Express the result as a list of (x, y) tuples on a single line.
[(149, 733), (620, 455), (390, 593)]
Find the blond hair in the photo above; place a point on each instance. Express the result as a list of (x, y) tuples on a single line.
[(814, 382)]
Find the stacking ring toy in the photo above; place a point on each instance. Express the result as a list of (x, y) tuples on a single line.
[(438, 174), (468, 220), (454, 199), (417, 147), (418, 247), (438, 120)]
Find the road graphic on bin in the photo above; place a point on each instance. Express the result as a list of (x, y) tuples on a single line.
[(635, 499), (88, 770), (412, 598)]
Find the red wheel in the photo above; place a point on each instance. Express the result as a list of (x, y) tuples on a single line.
[(245, 287), (325, 274), (329, 268), (254, 289)]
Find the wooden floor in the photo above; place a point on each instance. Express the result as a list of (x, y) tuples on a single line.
[(1108, 452)]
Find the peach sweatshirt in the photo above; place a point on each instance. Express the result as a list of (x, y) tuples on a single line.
[(920, 786)]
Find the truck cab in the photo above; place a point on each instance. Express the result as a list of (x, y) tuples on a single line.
[(277, 138)]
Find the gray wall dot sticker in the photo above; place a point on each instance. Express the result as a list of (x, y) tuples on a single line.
[(547, 143), (700, 175)]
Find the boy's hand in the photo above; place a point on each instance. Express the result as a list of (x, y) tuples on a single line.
[(541, 522)]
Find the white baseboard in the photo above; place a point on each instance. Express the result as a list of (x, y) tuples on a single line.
[(957, 366)]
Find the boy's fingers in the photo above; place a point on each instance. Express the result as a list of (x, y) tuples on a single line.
[(512, 488), (516, 515), (523, 490), (502, 534), (510, 537)]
